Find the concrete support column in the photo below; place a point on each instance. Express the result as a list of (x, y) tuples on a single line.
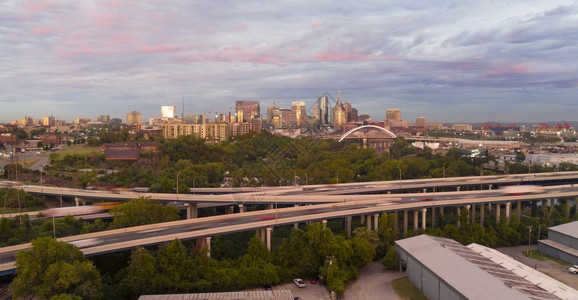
[(508, 206), (567, 211), (324, 222), (268, 206), (191, 210), (497, 212), (482, 211), (423, 219), (433, 217), (459, 188), (83, 203), (77, 200), (348, 225), (241, 208), (490, 187), (296, 225), (362, 219), (208, 245), (375, 222), (473, 220), (395, 222), (459, 217), (519, 210), (404, 221), (368, 220), (489, 207), (415, 220), (269, 238), (229, 210), (424, 190)]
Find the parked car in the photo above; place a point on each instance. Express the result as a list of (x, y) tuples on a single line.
[(268, 287), (573, 269), (298, 282)]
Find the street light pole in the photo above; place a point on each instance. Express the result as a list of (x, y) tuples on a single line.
[(399, 177), (529, 238)]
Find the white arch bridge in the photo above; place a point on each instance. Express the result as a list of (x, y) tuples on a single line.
[(380, 137)]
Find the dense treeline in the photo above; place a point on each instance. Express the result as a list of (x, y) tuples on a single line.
[(262, 160)]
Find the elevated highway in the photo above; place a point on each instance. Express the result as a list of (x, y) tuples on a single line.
[(263, 221)]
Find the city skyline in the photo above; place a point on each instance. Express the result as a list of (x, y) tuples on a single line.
[(459, 62)]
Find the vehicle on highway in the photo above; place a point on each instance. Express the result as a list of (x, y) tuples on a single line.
[(517, 190), (298, 282), (86, 242), (573, 269), (268, 287), (101, 207)]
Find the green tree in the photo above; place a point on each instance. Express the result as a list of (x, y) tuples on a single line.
[(142, 211), (138, 277), (52, 268)]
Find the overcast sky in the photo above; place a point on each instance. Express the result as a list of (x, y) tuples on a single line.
[(451, 61)]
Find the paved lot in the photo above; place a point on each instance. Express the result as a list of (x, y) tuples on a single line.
[(373, 283), (547, 267)]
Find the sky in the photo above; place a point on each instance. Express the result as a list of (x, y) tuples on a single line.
[(451, 61)]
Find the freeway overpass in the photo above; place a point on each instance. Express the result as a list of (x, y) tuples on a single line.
[(314, 193), (263, 221)]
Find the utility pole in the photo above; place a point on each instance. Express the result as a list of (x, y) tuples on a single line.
[(529, 238)]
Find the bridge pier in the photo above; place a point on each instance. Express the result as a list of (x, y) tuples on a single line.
[(348, 225), (497, 212), (459, 218), (208, 245), (296, 225), (508, 206), (459, 188), (77, 201), (324, 222), (433, 217), (268, 206), (241, 208), (229, 210), (375, 222), (489, 187), (423, 217), (519, 210), (473, 220), (269, 229), (368, 220), (404, 222), (482, 211), (191, 210)]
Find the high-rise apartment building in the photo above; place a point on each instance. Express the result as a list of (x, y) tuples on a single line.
[(133, 118), (104, 119), (247, 111), (48, 121), (421, 122), (338, 113), (300, 111), (168, 111), (323, 107), (393, 114)]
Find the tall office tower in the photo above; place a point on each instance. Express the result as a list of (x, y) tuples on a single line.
[(298, 107), (133, 118), (421, 122), (104, 119), (247, 111), (168, 111), (48, 121), (338, 113), (392, 115), (323, 106)]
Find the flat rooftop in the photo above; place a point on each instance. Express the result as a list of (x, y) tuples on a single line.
[(471, 274), (569, 229)]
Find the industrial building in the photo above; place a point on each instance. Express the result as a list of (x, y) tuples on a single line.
[(562, 242), (445, 269)]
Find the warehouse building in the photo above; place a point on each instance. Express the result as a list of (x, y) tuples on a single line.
[(445, 269), (562, 242)]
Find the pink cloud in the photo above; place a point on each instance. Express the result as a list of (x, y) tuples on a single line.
[(240, 26), (406, 18), (316, 24), (161, 48), (502, 70), (333, 56), (45, 30), (82, 50), (36, 7)]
